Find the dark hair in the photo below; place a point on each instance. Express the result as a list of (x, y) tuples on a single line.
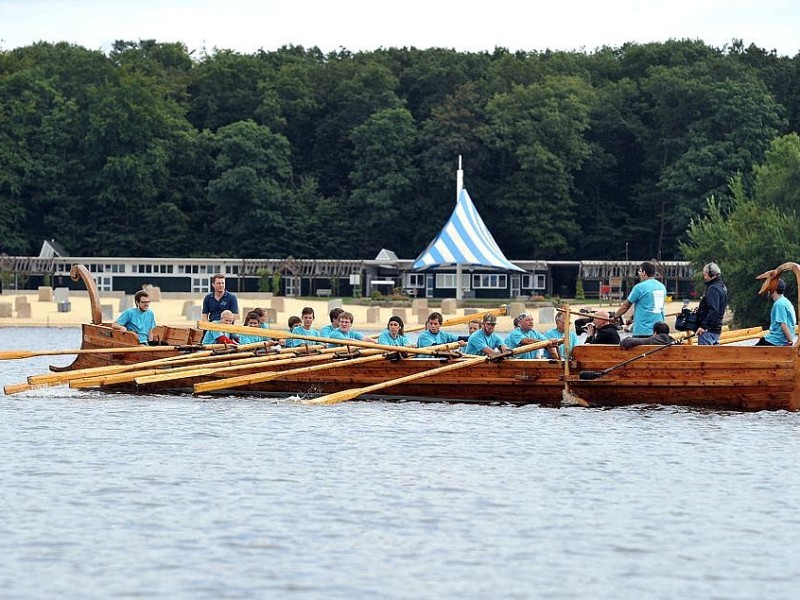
[(335, 312), (648, 267), (398, 320), (781, 286), (294, 321), (435, 316), (259, 311), (217, 276), (660, 327), (252, 315), (307, 310), (139, 295)]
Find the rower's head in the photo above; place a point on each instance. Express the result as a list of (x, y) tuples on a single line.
[(142, 300), (559, 319), (334, 315), (434, 322), (660, 328), (525, 321), (395, 325), (294, 321), (218, 283), (261, 313), (345, 321), (307, 315), (227, 317), (473, 326), (488, 323), (252, 319)]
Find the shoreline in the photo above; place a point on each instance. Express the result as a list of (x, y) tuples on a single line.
[(183, 310)]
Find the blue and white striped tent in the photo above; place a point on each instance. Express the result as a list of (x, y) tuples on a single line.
[(464, 240)]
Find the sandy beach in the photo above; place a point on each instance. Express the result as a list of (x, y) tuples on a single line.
[(183, 310)]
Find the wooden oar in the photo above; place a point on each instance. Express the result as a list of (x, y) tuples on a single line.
[(53, 379), (503, 310), (242, 380), (591, 375), (319, 340), (62, 378), (182, 371), (272, 362), (16, 354), (232, 382), (345, 395)]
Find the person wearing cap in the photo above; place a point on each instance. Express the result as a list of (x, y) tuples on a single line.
[(603, 329), (485, 340), (782, 319), (524, 334), (647, 297), (712, 307)]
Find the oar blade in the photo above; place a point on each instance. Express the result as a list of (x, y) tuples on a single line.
[(16, 354), (337, 397)]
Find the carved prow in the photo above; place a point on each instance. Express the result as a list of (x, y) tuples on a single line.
[(79, 272)]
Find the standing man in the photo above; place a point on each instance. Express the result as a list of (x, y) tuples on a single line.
[(712, 306), (648, 297), (218, 300), (782, 319), (138, 319)]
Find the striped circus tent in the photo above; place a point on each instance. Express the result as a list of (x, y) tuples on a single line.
[(464, 241)]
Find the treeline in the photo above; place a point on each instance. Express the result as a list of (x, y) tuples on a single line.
[(151, 151)]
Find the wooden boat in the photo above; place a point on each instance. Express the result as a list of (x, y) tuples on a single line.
[(722, 377)]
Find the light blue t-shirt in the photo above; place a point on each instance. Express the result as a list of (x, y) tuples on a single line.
[(386, 339), (337, 334), (299, 330), (782, 312), (211, 336), (327, 330), (554, 334), (426, 339), (138, 321), (479, 340), (514, 340), (648, 296)]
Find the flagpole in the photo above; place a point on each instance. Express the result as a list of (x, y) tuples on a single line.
[(459, 187)]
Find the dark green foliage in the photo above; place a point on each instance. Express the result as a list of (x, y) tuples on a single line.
[(150, 150)]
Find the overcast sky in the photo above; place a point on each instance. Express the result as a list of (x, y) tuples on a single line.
[(248, 25)]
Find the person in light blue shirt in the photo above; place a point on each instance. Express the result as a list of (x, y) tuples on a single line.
[(782, 320), (485, 340), (138, 319), (220, 337), (393, 334), (334, 324), (433, 334), (523, 335), (558, 332), (344, 331), (253, 320), (648, 297), (304, 329)]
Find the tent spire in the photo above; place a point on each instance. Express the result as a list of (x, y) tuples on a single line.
[(459, 187)]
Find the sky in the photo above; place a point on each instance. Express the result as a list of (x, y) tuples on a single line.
[(358, 25)]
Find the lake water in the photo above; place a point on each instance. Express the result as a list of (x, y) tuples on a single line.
[(118, 496)]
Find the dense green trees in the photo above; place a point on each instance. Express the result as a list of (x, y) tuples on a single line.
[(151, 150), (756, 232)]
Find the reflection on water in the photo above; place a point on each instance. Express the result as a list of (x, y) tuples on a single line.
[(110, 495)]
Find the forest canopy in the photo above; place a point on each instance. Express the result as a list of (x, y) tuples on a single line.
[(148, 150)]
